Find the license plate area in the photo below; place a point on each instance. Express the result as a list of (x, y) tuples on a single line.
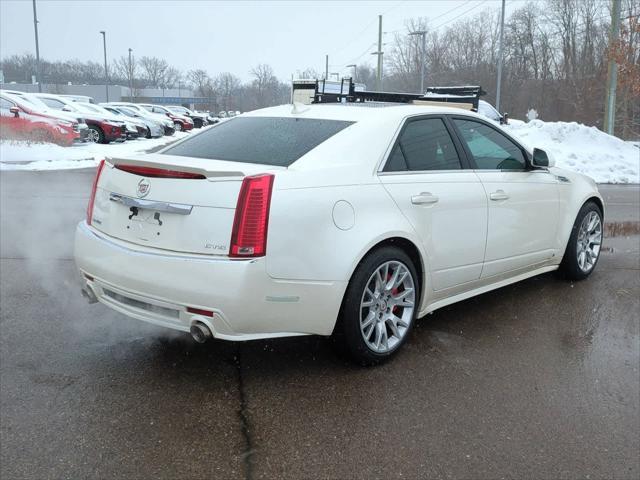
[(146, 224)]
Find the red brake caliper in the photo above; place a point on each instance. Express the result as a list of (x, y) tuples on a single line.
[(394, 292)]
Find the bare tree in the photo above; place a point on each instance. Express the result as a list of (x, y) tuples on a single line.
[(227, 85), (154, 70), (265, 85), (128, 71), (309, 73)]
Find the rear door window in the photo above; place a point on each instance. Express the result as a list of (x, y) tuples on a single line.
[(277, 141), (424, 145)]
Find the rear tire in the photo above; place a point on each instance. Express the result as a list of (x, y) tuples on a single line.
[(585, 242), (177, 126), (148, 134), (377, 313)]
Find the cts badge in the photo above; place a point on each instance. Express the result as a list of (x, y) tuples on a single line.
[(143, 188)]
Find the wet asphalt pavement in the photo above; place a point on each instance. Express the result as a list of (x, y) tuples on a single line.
[(539, 379)]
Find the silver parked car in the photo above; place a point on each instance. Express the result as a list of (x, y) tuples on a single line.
[(154, 128)]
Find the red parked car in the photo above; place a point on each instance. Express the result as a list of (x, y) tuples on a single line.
[(19, 120), (102, 129), (180, 122)]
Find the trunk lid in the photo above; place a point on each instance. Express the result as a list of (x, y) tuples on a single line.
[(190, 215)]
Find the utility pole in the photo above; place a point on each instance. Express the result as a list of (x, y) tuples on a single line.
[(35, 27), (499, 85), (379, 53), (423, 34), (355, 70), (130, 77), (106, 71), (612, 72), (326, 67)]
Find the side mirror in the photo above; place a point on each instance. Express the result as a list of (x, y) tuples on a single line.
[(542, 159), (15, 111), (504, 119)]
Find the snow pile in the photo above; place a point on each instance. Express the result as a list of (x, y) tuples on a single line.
[(583, 149), (20, 155)]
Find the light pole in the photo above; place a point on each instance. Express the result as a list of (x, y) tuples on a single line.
[(423, 34), (130, 77), (35, 27), (106, 71), (354, 66), (499, 85), (379, 53)]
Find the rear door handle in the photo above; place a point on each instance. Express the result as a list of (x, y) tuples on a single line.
[(498, 195), (424, 198)]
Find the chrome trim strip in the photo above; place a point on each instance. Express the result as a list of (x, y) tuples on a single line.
[(167, 207)]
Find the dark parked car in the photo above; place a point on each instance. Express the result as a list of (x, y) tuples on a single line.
[(199, 119)]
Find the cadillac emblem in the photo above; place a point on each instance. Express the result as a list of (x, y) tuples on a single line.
[(143, 188)]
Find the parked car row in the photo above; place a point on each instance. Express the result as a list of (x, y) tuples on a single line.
[(65, 119), (228, 114)]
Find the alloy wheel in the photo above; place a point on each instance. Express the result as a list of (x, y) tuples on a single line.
[(387, 306), (589, 241), (93, 135)]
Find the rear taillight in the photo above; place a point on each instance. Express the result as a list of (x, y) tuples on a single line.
[(249, 235), (92, 198), (159, 172)]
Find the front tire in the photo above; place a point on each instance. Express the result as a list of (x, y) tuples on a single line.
[(95, 135), (177, 126), (379, 306), (585, 243)]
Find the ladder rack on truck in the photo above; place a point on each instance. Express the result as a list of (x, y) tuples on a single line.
[(464, 96)]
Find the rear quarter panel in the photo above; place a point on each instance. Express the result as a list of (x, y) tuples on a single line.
[(322, 233)]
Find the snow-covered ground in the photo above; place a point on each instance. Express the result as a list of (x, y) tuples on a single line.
[(583, 149), (18, 155)]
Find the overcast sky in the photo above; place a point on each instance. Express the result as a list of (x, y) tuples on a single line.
[(221, 36)]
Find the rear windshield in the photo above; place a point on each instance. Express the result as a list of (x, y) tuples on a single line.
[(265, 140)]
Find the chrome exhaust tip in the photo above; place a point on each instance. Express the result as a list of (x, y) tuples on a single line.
[(200, 332), (89, 295)]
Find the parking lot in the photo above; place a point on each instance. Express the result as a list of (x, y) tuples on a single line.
[(538, 379)]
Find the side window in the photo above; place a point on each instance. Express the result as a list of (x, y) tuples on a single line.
[(55, 104), (490, 149), (424, 145)]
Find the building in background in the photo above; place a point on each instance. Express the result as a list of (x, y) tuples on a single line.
[(117, 93)]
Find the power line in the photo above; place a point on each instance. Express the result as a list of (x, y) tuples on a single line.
[(359, 34), (458, 16)]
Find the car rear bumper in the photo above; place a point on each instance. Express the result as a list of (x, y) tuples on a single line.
[(158, 286)]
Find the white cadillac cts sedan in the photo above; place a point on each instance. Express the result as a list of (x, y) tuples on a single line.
[(345, 220)]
